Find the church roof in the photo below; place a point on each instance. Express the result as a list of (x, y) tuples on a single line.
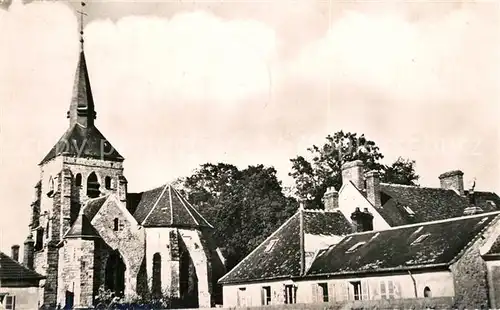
[(83, 139), (165, 207), (280, 254), (12, 270), (84, 142), (402, 205), (82, 228), (417, 246)]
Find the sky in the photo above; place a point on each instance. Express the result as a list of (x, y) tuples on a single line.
[(178, 84)]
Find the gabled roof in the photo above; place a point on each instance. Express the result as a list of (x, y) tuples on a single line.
[(280, 254), (12, 270), (93, 206), (434, 244), (427, 204), (165, 207), (82, 228), (79, 141)]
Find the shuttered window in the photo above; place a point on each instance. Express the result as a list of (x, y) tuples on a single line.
[(10, 302)]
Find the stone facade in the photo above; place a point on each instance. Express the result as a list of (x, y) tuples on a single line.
[(82, 236)]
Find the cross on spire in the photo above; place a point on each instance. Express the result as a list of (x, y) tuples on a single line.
[(82, 13)]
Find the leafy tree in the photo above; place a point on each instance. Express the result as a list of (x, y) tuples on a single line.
[(244, 206), (313, 177), (402, 171)]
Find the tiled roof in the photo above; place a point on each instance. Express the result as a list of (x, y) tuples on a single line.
[(82, 228), (12, 270), (165, 206), (279, 255), (89, 142), (93, 206), (396, 249), (427, 204)]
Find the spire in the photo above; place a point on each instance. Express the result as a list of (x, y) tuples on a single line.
[(81, 110)]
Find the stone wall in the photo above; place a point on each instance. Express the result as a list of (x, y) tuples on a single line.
[(470, 271), (129, 240)]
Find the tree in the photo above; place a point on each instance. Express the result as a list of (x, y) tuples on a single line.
[(244, 206), (402, 171), (313, 177)]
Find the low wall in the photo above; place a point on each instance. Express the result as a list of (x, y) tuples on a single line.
[(439, 303)]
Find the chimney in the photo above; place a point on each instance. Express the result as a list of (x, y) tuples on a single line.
[(453, 180), (15, 252), (363, 221), (29, 252), (373, 188), (331, 199), (353, 171)]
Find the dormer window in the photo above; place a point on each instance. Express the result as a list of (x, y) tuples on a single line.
[(409, 211), (355, 247), (116, 224), (420, 239), (270, 245)]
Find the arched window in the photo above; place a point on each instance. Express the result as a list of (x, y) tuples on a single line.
[(107, 182), (427, 292), (156, 286), (78, 179), (116, 224), (93, 186)]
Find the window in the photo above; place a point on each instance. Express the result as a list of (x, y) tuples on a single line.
[(156, 281), (116, 224), (78, 179), (270, 245), (289, 294), (387, 289), (357, 290), (93, 186), (420, 239), (242, 298), (355, 247), (266, 295), (323, 291), (409, 211), (107, 182), (427, 292), (50, 190), (10, 302), (39, 239)]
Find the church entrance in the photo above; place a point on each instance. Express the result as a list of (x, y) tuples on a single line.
[(115, 274)]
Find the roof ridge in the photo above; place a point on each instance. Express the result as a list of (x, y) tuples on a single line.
[(185, 207), (156, 203), (453, 219), (259, 246), (190, 206)]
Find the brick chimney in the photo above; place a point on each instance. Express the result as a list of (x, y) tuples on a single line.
[(29, 252), (362, 221), (353, 171), (331, 199), (15, 252), (373, 188), (453, 180)]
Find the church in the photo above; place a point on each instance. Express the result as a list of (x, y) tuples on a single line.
[(88, 233)]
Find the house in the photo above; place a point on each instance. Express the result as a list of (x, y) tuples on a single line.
[(399, 233), (265, 276), (433, 259), (88, 232), (19, 285)]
